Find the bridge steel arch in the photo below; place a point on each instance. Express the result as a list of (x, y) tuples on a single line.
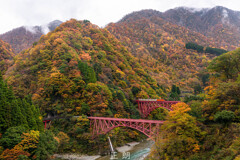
[(147, 106), (102, 125)]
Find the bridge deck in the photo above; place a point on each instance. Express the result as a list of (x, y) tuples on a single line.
[(126, 120), (151, 101)]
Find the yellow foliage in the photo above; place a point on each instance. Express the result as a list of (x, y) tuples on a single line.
[(63, 138), (121, 73), (78, 109), (82, 119), (237, 158), (30, 140), (179, 108), (196, 148), (117, 116), (181, 130)]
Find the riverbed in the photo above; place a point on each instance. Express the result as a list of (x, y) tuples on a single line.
[(130, 151)]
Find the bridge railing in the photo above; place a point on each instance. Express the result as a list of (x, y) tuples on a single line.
[(126, 120), (156, 101)]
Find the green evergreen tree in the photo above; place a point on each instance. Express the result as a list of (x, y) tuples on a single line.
[(6, 98), (174, 96), (175, 93), (85, 108), (37, 117), (178, 91), (12, 137), (5, 120), (174, 88), (29, 115), (194, 46), (9, 93), (197, 89), (98, 69), (5, 107), (17, 112), (20, 104), (89, 75), (224, 116), (135, 90), (17, 117), (215, 51), (47, 145)]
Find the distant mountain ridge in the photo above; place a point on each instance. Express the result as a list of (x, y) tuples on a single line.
[(43, 29), (23, 37), (220, 24), (205, 17)]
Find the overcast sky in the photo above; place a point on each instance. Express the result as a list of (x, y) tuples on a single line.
[(15, 13)]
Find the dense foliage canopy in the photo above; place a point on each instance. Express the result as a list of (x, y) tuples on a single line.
[(81, 70), (6, 56)]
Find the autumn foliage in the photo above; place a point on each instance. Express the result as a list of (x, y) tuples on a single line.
[(159, 47), (81, 70), (180, 135), (6, 56), (78, 64)]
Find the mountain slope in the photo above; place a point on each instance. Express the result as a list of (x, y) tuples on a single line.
[(219, 23), (23, 37), (82, 69), (6, 56), (160, 47)]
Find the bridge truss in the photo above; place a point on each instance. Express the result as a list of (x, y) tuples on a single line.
[(102, 125), (147, 106)]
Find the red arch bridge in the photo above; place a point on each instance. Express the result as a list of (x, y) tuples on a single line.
[(146, 106), (102, 125)]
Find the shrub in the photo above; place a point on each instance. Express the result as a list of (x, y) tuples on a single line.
[(194, 46), (224, 116)]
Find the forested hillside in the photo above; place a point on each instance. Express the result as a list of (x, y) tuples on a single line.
[(81, 66), (208, 127), (79, 70), (21, 128), (159, 47)]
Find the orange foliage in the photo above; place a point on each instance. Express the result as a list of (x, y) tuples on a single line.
[(12, 154), (85, 56)]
